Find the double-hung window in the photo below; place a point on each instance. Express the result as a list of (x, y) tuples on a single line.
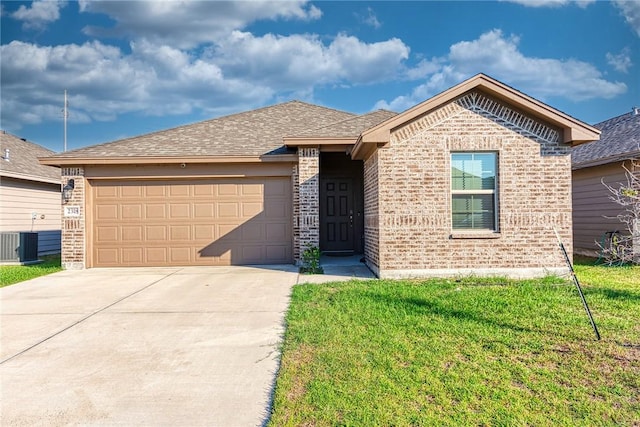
[(473, 191)]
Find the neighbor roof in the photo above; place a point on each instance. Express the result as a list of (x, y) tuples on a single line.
[(23, 160), (249, 134), (619, 140)]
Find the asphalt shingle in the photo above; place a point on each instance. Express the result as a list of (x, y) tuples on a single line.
[(620, 139), (351, 127), (252, 133), (23, 159)]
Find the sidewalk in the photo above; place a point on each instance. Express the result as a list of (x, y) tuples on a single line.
[(339, 269)]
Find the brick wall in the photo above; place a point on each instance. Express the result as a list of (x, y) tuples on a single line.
[(371, 218), (73, 227), (295, 200), (534, 192), (308, 199)]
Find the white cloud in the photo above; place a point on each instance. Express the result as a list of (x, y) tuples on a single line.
[(164, 73), (496, 55), (301, 61), (620, 62), (39, 14), (551, 3), (103, 83), (242, 71), (631, 11), (369, 18), (423, 69), (186, 24)]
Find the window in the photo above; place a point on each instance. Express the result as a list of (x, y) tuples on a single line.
[(473, 191)]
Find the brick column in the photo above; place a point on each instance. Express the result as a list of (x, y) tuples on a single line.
[(308, 221), (73, 221)]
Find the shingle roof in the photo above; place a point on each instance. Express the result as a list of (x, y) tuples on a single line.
[(620, 139), (23, 160), (252, 133), (351, 127)]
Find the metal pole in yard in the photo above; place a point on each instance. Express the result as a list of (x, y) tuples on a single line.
[(577, 283)]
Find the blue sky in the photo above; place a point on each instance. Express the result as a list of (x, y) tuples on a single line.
[(132, 67)]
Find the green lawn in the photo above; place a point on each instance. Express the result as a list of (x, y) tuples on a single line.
[(10, 274), (462, 352)]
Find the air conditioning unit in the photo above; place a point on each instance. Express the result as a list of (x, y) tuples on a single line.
[(18, 246)]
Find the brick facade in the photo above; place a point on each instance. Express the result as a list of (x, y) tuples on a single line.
[(371, 210), (406, 180), (414, 198), (307, 201), (73, 227)]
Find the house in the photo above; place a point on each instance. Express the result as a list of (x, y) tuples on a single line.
[(29, 192), (594, 214), (469, 181)]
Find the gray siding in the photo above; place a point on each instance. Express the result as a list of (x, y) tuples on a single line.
[(49, 242), (593, 212)]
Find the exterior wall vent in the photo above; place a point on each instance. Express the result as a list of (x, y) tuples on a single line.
[(18, 247)]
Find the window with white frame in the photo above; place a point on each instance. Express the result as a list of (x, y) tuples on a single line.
[(474, 201)]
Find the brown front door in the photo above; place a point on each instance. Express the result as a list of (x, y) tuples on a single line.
[(337, 215)]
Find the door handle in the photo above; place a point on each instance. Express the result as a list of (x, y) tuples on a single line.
[(351, 218)]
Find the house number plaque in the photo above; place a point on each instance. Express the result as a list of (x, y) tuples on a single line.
[(71, 211)]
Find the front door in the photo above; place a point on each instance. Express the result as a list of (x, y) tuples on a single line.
[(337, 215)]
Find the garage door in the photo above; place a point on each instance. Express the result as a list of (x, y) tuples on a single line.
[(199, 222)]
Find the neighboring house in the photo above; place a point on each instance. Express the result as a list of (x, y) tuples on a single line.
[(29, 192), (469, 181), (594, 214)]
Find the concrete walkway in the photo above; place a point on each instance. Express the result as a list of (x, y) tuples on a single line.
[(338, 269), (148, 346)]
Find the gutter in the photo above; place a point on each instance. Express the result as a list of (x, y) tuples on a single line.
[(70, 161)]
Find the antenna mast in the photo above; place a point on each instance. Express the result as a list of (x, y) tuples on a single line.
[(65, 115)]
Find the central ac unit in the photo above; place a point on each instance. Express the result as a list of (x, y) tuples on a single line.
[(18, 246)]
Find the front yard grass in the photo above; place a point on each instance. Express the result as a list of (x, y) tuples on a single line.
[(10, 274), (463, 352)]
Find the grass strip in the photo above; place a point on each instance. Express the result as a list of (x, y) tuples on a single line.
[(10, 274)]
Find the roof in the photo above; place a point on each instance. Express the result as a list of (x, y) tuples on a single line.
[(23, 160), (619, 140), (351, 127), (253, 133), (574, 131), (343, 134)]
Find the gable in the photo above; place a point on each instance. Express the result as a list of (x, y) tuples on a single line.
[(490, 109), (494, 99)]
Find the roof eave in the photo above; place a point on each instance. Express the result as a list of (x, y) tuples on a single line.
[(362, 151), (632, 155), (301, 141), (67, 161), (29, 177)]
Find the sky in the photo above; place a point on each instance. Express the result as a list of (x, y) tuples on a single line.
[(134, 67)]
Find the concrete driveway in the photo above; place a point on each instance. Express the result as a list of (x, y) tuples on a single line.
[(143, 346)]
